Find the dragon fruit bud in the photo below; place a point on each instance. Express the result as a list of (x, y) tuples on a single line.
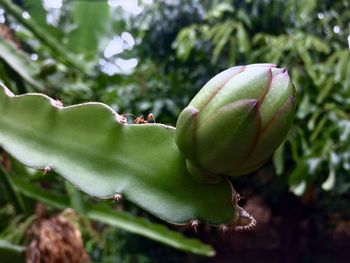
[(236, 121)]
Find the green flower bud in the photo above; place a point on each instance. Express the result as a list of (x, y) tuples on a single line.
[(236, 121)]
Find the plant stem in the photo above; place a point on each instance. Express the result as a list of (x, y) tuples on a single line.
[(13, 194), (55, 47), (11, 253)]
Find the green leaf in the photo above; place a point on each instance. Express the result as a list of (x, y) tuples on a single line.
[(59, 51), (219, 10), (89, 146), (330, 181), (20, 63), (318, 129), (150, 230), (16, 199), (325, 91), (221, 38), (11, 253), (334, 160), (299, 189), (90, 18), (243, 40), (47, 197), (76, 199), (128, 222), (184, 42), (36, 11), (16, 229), (296, 177)]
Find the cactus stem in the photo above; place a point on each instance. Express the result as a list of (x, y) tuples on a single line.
[(194, 225), (117, 197), (46, 170)]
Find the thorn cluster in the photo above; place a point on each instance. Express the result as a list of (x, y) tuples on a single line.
[(46, 170), (194, 225), (117, 197)]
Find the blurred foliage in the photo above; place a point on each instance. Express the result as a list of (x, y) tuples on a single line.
[(180, 45)]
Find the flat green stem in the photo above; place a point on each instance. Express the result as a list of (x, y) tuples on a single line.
[(90, 146)]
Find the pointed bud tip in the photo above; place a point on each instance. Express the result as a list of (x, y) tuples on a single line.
[(281, 72), (194, 111)]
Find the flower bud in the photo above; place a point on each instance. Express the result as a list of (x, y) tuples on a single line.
[(236, 121)]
